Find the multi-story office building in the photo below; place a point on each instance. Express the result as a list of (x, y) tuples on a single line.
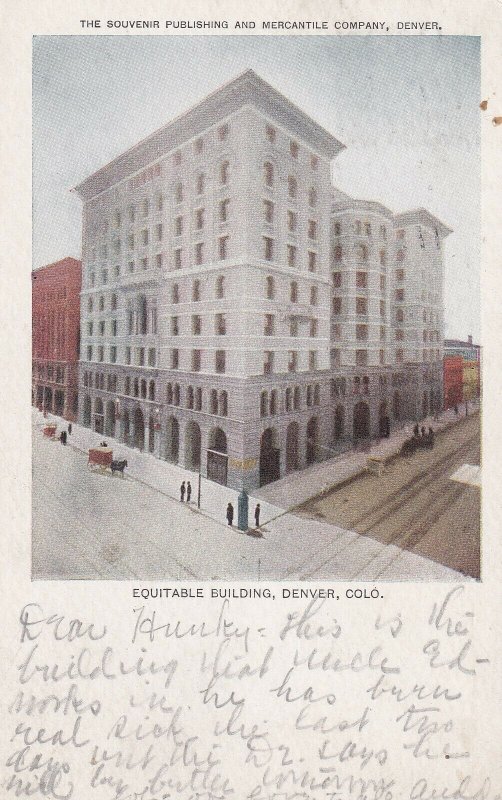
[(56, 336), (232, 305)]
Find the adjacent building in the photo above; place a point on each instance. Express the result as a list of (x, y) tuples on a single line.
[(462, 371), (239, 315), (56, 337)]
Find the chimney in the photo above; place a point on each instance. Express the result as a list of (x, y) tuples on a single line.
[(469, 340)]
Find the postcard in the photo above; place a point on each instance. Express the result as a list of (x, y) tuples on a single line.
[(251, 350)]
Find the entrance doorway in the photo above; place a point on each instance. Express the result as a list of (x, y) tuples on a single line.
[(270, 467)]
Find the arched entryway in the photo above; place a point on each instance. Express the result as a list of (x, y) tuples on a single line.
[(192, 446), (172, 440), (361, 422), (292, 447), (110, 418), (339, 424), (217, 459), (99, 417), (86, 411), (383, 420), (311, 445), (139, 429), (270, 467)]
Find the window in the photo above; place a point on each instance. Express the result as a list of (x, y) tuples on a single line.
[(293, 148), (314, 326), (312, 261), (196, 360), (273, 402), (268, 362), (113, 354), (224, 210), (89, 352), (293, 292), (145, 207), (220, 287), (268, 245), (382, 283), (382, 308), (312, 359), (89, 328), (199, 219), (382, 356), (314, 162), (116, 271), (313, 295), (268, 328), (178, 193), (101, 303), (399, 356), (198, 399), (178, 226), (90, 304), (159, 259), (400, 234), (292, 186), (160, 202), (361, 332), (190, 397), (196, 324), (175, 293), (382, 332), (312, 229), (104, 276), (130, 266), (101, 353), (383, 232), (144, 236), (293, 326), (263, 404), (400, 255), (159, 231), (399, 315), (200, 183), (337, 305), (291, 255), (292, 221), (213, 402), (399, 294), (399, 274), (357, 227), (175, 359), (223, 247), (141, 356), (292, 361), (220, 325), (383, 258), (337, 280), (268, 173), (336, 331), (337, 252), (223, 131), (127, 356), (199, 253), (198, 146), (114, 327), (362, 252), (400, 334), (338, 229), (132, 213), (196, 291), (361, 305), (268, 210), (367, 228), (361, 358), (270, 288), (224, 173), (177, 258), (361, 280), (144, 263), (312, 197), (270, 133), (220, 361)]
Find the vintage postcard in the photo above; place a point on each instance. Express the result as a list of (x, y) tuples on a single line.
[(251, 513)]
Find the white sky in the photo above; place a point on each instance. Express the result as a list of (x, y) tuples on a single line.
[(406, 107)]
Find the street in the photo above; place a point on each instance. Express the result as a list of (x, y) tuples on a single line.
[(411, 523)]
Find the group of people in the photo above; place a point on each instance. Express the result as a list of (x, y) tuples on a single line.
[(230, 514), (422, 432), (185, 490), (63, 436)]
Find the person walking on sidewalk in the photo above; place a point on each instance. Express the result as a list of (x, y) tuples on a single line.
[(69, 429), (257, 515), (189, 491), (182, 492), (230, 514)]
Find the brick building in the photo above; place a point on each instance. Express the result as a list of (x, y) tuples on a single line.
[(241, 316), (56, 336), (462, 371)]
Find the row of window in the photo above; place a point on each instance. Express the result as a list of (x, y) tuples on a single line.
[(196, 360), (143, 356), (270, 291), (217, 399), (360, 305), (358, 227), (294, 147), (97, 380), (269, 405), (269, 358), (49, 372), (362, 253)]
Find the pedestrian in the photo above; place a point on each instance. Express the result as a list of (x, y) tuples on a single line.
[(416, 430), (257, 515), (456, 411), (182, 492), (70, 428), (189, 491), (230, 514)]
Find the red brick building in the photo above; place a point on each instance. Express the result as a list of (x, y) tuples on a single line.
[(453, 369), (56, 336)]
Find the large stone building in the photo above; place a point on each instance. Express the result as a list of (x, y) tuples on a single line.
[(239, 315), (56, 336)]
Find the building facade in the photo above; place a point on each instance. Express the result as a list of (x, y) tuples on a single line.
[(56, 337), (240, 316), (462, 371)]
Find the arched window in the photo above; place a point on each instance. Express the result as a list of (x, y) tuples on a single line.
[(213, 402), (268, 173), (136, 387), (317, 395), (263, 404), (176, 394), (287, 399), (113, 302), (190, 397), (198, 399), (101, 303), (273, 402), (151, 390), (309, 396), (270, 288), (169, 394), (296, 398), (223, 407), (143, 314), (143, 388), (362, 252)]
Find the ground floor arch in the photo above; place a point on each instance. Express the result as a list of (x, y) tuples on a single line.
[(110, 418), (126, 427), (99, 416), (361, 421), (192, 446), (172, 440), (217, 459), (139, 429), (292, 447), (312, 444), (270, 468), (383, 420)]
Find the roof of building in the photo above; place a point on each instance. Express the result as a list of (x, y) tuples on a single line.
[(246, 89), (63, 262), (420, 216)]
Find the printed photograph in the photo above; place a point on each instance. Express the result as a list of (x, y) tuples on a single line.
[(256, 308)]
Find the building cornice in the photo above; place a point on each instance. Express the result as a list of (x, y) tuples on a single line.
[(420, 216)]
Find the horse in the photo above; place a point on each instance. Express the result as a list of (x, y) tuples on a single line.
[(118, 466)]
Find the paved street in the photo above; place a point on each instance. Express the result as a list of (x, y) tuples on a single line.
[(94, 525)]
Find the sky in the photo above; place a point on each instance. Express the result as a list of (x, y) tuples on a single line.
[(406, 107)]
